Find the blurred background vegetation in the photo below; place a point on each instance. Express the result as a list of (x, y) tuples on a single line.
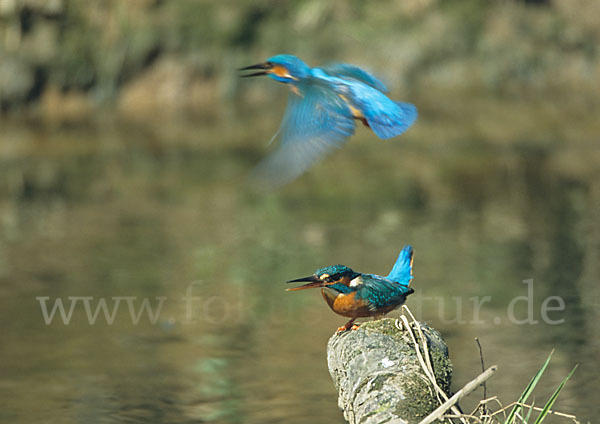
[(179, 56), (126, 138)]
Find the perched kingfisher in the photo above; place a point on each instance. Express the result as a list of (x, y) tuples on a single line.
[(323, 105), (353, 294)]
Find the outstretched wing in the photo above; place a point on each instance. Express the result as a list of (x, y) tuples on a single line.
[(343, 70), (315, 121)]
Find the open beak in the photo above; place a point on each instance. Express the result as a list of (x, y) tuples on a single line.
[(263, 66), (312, 282)]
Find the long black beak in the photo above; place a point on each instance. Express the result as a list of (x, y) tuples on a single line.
[(264, 66), (313, 282)]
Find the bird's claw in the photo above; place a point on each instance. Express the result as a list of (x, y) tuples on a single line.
[(345, 328)]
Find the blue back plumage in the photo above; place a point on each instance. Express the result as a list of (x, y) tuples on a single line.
[(380, 292), (402, 271), (343, 70)]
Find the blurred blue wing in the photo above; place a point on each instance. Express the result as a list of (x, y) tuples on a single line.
[(379, 292), (313, 124), (342, 70)]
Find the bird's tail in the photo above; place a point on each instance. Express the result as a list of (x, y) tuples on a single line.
[(401, 273), (395, 122), (409, 111)]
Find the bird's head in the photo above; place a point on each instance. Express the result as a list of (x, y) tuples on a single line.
[(328, 276), (282, 67)]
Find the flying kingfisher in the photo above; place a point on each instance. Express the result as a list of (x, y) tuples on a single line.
[(321, 112), (353, 294)]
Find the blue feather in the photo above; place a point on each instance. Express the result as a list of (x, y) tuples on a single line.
[(361, 294), (315, 122), (349, 71), (342, 288), (380, 292), (402, 271), (321, 113), (386, 117)]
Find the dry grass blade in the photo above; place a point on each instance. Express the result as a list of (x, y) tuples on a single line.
[(535, 408), (468, 388), (426, 363), (484, 402), (482, 367), (483, 413)]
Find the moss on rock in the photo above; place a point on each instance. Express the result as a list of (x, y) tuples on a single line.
[(378, 375)]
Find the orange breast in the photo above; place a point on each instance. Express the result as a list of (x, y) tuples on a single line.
[(346, 304)]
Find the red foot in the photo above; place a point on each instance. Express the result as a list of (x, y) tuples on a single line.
[(347, 327)]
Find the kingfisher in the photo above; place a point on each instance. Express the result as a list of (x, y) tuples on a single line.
[(322, 108), (353, 294)]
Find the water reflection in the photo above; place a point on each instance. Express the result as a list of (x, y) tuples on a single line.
[(123, 212)]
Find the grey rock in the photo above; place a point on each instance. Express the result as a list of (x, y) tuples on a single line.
[(378, 376)]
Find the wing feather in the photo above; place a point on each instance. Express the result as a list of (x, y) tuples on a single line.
[(380, 292), (343, 70), (315, 122)]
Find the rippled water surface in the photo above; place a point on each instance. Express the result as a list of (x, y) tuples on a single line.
[(164, 215)]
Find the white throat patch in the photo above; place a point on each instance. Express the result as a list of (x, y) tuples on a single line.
[(356, 282)]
